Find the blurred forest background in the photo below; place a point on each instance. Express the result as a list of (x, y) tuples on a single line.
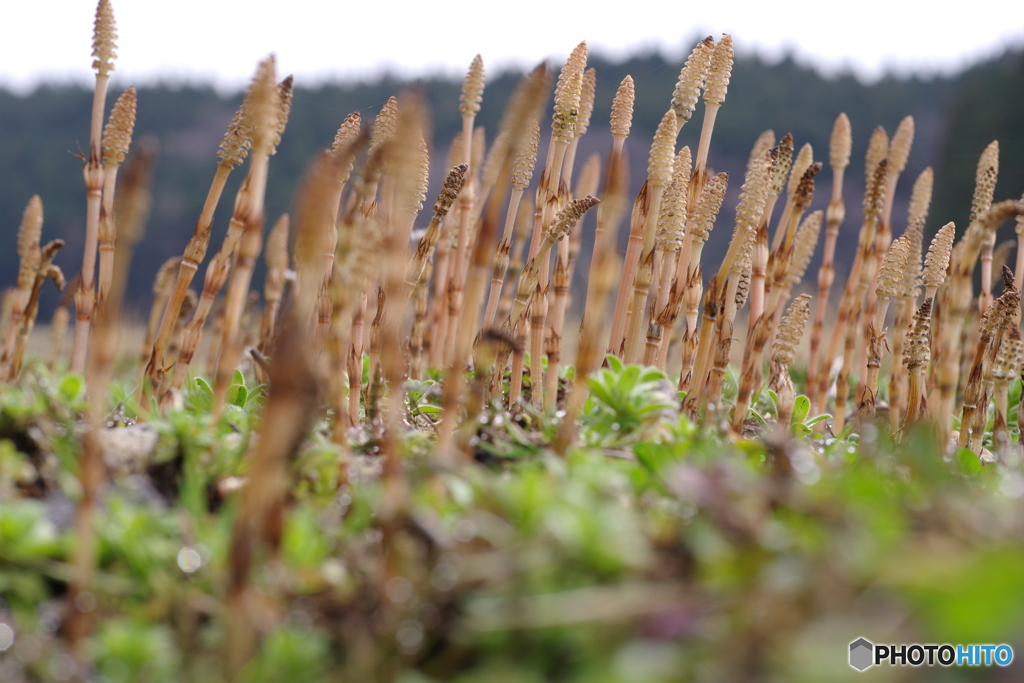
[(956, 117)]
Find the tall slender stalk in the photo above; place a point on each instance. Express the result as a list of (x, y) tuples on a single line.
[(716, 84), (276, 256), (599, 285), (522, 172), (550, 199), (1019, 270), (529, 279), (1003, 314), (103, 49), (956, 298), (117, 137), (1006, 367), (753, 196), (289, 412), (840, 145), (856, 291), (469, 105), (45, 270), (783, 352), (689, 275), (751, 372), (797, 169), (896, 162), (232, 151), (782, 258), (588, 91), (890, 275), (909, 290), (29, 233), (381, 134), (984, 190), (162, 284), (659, 176), (671, 235), (916, 355), (878, 149), (216, 276), (271, 106)]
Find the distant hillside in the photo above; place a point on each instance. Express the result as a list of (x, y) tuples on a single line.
[(956, 117)]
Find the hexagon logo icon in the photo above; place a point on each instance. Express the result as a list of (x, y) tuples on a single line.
[(861, 654)]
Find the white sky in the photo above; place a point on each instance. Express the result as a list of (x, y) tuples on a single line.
[(221, 41)]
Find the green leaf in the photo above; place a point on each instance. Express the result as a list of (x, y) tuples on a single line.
[(237, 395), (629, 378), (970, 464), (428, 409), (255, 393), (816, 419), (238, 378), (800, 430), (204, 385), (71, 387), (801, 407)]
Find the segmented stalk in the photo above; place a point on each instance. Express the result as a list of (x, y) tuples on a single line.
[(840, 145), (276, 257), (783, 352), (233, 149), (916, 355), (984, 189), (270, 107), (117, 137), (103, 49), (856, 291), (887, 284)]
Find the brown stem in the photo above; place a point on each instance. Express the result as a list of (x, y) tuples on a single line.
[(195, 252)]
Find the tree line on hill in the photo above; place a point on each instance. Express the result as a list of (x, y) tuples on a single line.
[(956, 117)]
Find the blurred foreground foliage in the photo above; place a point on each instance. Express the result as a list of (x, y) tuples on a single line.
[(656, 551)]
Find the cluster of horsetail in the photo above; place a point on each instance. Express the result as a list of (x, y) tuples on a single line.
[(477, 291)]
